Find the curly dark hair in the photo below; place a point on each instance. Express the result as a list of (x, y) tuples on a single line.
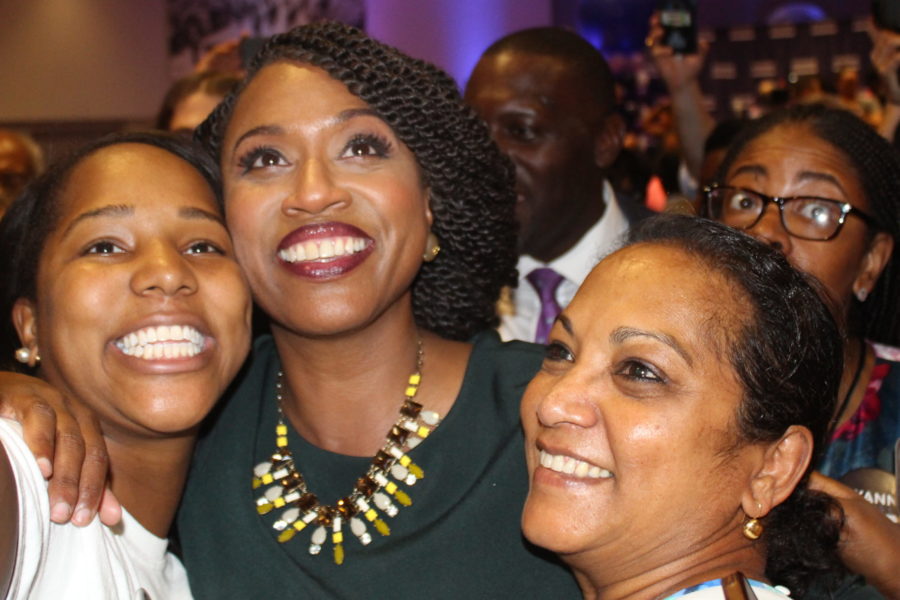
[(876, 165), (471, 182), (788, 356), (34, 215)]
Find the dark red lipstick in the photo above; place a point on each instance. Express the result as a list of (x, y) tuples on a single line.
[(330, 267)]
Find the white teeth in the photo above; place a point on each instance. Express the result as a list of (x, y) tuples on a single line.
[(154, 343), (572, 466), (322, 249), (546, 459), (558, 463)]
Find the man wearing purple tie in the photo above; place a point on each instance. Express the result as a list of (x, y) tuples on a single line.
[(547, 95)]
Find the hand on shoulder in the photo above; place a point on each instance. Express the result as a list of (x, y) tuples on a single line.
[(68, 445)]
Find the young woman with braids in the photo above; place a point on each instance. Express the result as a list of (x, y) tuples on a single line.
[(373, 219), (823, 188)]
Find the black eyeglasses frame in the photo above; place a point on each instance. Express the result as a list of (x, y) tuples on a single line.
[(845, 207)]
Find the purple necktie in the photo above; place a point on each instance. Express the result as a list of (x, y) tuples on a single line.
[(545, 282)]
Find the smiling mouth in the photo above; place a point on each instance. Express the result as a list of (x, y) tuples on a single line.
[(322, 249), (572, 466), (162, 342)]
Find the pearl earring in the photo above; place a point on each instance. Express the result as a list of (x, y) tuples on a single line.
[(862, 294), (23, 355)]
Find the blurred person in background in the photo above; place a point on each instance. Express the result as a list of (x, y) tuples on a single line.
[(856, 98), (190, 100), (548, 97), (21, 160), (885, 57)]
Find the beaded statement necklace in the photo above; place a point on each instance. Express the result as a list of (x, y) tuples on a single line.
[(390, 465)]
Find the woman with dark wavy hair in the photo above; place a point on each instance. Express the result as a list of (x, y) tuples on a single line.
[(823, 188), (672, 429), (372, 445)]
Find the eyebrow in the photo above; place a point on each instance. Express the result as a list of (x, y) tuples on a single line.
[(191, 212), (126, 210), (801, 177), (341, 117), (805, 176), (621, 334), (110, 210), (750, 170)]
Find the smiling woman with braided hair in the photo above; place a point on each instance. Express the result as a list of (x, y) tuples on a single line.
[(373, 218)]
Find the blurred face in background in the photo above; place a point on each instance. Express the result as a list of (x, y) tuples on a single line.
[(543, 117), (16, 168), (193, 110)]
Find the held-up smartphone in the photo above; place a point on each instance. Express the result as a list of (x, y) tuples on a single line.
[(679, 22)]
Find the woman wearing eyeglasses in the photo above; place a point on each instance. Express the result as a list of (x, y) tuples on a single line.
[(822, 187)]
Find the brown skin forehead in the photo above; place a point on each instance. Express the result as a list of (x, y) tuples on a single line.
[(549, 82), (724, 304)]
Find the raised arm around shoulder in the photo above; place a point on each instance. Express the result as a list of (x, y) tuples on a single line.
[(67, 443), (681, 74)]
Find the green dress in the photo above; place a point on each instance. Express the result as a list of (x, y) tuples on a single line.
[(459, 539)]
